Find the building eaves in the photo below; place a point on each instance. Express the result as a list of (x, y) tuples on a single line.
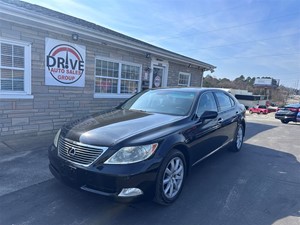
[(97, 28)]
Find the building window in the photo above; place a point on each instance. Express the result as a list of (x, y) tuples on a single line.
[(184, 79), (115, 79), (15, 70)]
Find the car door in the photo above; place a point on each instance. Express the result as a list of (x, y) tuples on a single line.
[(201, 136), (227, 117)]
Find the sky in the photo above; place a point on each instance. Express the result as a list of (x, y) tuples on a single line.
[(255, 38)]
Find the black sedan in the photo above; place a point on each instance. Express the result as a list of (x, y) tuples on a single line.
[(147, 145), (288, 113)]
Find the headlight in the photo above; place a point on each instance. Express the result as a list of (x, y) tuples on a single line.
[(132, 154), (56, 138)]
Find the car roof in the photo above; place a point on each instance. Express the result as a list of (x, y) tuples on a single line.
[(193, 89), (296, 105)]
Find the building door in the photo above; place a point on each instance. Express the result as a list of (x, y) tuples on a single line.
[(158, 77)]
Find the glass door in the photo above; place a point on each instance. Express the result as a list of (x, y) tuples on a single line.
[(158, 77)]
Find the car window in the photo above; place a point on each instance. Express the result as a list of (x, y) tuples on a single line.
[(293, 106), (162, 101), (232, 101), (225, 101), (207, 103)]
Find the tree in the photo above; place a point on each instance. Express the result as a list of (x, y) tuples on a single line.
[(278, 95)]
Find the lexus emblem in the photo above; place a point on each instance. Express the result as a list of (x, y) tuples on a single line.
[(72, 151)]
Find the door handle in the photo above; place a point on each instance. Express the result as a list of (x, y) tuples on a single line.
[(220, 120)]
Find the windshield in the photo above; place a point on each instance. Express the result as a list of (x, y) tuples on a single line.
[(162, 101)]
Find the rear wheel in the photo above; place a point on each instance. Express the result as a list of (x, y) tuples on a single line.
[(284, 121), (170, 178), (250, 112), (239, 139)]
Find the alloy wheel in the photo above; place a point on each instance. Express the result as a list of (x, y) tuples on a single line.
[(239, 137), (173, 177)]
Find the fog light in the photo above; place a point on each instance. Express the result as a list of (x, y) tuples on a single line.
[(130, 192)]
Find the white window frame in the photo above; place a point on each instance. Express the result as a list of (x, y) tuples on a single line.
[(26, 94), (119, 94), (163, 64), (189, 79)]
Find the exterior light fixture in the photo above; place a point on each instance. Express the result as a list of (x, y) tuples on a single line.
[(75, 37), (148, 55), (190, 65)]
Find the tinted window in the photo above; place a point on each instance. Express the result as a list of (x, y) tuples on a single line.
[(225, 101), (293, 106), (161, 101), (207, 103), (232, 101)]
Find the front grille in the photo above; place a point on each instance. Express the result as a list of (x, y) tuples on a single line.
[(79, 153)]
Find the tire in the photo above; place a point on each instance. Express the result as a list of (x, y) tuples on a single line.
[(250, 112), (285, 121), (170, 179), (238, 139)]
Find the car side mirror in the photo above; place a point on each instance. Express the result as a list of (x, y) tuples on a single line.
[(208, 115)]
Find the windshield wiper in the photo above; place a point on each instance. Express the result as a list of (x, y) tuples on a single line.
[(138, 110)]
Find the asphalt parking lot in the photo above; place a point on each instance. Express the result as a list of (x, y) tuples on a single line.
[(258, 186)]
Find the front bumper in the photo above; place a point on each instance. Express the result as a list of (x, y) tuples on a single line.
[(103, 179), (285, 117)]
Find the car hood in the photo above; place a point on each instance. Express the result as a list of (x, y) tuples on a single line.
[(110, 128)]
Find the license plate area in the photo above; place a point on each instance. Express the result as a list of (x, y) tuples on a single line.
[(70, 172)]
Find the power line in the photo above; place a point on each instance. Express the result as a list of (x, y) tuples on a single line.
[(237, 43), (254, 56), (226, 28), (214, 12)]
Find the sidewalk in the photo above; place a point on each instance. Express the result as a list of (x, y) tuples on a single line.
[(25, 143)]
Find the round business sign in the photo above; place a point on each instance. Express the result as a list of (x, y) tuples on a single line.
[(157, 81), (65, 64)]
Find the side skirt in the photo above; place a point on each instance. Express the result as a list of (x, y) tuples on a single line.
[(212, 152)]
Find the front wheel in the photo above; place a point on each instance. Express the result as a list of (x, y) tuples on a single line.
[(170, 178), (284, 121), (239, 139)]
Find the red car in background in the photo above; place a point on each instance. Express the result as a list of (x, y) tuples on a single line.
[(259, 109)]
